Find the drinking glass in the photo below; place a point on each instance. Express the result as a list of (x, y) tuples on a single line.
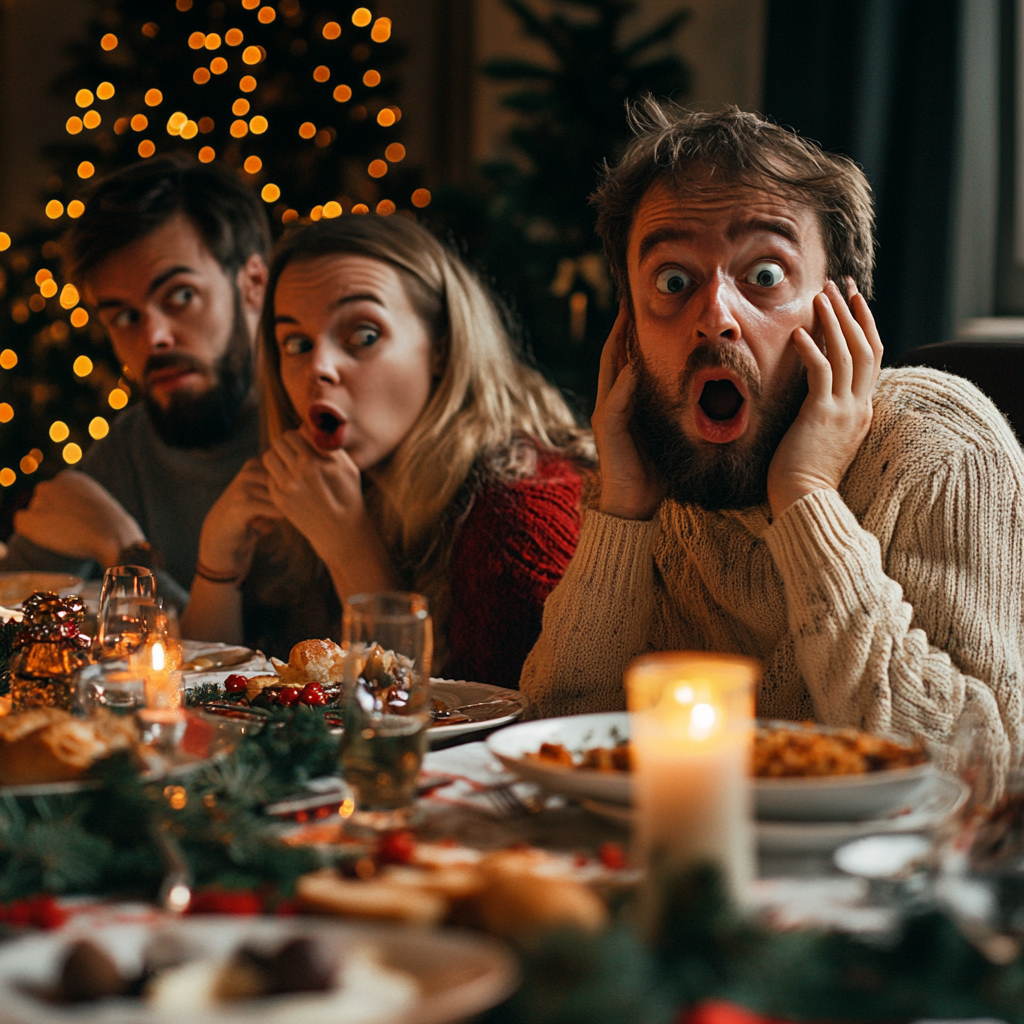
[(112, 685), (128, 608), (388, 643)]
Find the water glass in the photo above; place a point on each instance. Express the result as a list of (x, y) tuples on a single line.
[(111, 685), (129, 609), (388, 644)]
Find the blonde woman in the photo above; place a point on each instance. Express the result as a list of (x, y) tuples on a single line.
[(406, 447)]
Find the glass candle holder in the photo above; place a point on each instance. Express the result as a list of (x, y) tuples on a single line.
[(691, 730)]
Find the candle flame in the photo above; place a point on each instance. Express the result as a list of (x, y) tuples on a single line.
[(158, 657), (702, 721)]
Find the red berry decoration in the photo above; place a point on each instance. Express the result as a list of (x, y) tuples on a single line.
[(397, 847), (289, 695), (313, 693), (236, 684), (611, 855)]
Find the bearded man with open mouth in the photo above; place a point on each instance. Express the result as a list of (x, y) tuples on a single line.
[(766, 488)]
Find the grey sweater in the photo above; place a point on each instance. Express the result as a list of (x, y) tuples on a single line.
[(168, 491)]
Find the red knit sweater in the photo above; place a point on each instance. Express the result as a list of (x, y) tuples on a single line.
[(510, 553)]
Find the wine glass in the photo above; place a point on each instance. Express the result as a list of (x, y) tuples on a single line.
[(388, 644), (128, 607)]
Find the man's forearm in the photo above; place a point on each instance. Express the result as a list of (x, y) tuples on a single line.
[(595, 621)]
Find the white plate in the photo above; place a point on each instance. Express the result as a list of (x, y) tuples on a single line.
[(16, 586), (832, 798), (940, 797), (456, 975)]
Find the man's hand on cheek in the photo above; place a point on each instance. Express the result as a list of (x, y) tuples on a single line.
[(630, 486), (835, 417)]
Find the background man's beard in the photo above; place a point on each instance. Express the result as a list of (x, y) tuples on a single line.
[(199, 421), (714, 476)]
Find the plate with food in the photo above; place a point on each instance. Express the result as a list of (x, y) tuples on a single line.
[(48, 751), (226, 970), (16, 586), (802, 772), (313, 676)]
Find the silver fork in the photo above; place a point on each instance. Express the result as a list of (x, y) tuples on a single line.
[(511, 803)]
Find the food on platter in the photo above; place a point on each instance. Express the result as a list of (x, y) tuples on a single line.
[(797, 750), (50, 745), (505, 892), (175, 978), (312, 661)]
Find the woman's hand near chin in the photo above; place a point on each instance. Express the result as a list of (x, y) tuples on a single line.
[(321, 494)]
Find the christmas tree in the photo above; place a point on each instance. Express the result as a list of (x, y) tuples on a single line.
[(297, 97), (528, 221)]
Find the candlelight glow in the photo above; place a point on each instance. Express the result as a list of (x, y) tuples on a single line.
[(158, 657)]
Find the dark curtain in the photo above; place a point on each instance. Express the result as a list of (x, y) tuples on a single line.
[(877, 80)]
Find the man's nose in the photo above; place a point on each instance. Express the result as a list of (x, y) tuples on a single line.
[(716, 318), (158, 332)]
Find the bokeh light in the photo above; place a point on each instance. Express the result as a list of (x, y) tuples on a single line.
[(84, 98), (421, 198), (361, 17), (139, 123), (117, 399), (218, 65), (239, 129), (48, 289), (206, 125), (360, 208), (252, 165), (371, 78), (86, 169), (385, 208), (307, 130), (28, 465), (154, 97), (5, 241), (201, 76), (332, 30), (381, 31), (197, 40), (79, 317), (316, 213), (332, 209), (377, 169), (250, 5), (342, 93), (189, 130), (43, 275), (233, 37), (212, 41), (69, 297), (146, 148), (395, 152), (59, 431), (54, 209), (72, 453), (252, 55), (8, 359), (240, 107), (36, 303), (82, 366), (105, 90), (76, 208), (92, 119), (386, 118), (176, 122), (266, 15), (321, 73), (7, 476), (98, 428), (6, 412), (207, 155), (74, 125), (109, 41), (270, 193), (258, 125), (289, 215), (247, 84)]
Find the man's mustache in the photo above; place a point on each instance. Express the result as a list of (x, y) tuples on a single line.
[(720, 357), (172, 360)]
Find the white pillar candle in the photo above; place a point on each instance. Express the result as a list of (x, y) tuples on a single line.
[(691, 731)]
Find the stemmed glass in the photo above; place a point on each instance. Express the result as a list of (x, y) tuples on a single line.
[(129, 610), (388, 644)]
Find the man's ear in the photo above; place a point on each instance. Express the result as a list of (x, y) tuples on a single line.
[(251, 281)]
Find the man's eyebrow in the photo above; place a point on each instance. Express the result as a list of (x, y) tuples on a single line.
[(154, 285), (769, 225), (669, 233), (344, 300)]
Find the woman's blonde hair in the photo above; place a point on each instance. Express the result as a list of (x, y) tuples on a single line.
[(487, 414)]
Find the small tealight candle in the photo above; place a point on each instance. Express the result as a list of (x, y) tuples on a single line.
[(691, 732), (157, 662)]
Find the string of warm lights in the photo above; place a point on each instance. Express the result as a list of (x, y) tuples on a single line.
[(246, 132)]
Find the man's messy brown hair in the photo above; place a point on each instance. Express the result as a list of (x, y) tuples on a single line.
[(695, 152)]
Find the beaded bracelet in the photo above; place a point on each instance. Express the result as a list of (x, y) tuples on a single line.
[(218, 577)]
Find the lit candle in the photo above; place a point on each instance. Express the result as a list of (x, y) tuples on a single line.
[(157, 662), (691, 730)]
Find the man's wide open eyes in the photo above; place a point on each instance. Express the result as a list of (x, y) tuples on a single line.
[(766, 274), (672, 280)]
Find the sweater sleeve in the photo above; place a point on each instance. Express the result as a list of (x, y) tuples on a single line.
[(595, 621), (510, 553), (910, 658)]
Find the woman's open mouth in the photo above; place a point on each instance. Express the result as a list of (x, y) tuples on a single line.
[(721, 409), (328, 427)]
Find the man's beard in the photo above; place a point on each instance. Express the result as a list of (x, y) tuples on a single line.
[(206, 419), (714, 476)]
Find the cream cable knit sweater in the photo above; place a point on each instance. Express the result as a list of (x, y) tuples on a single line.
[(890, 605)]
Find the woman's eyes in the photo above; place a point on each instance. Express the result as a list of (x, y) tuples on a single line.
[(295, 345), (672, 280), (365, 336), (124, 319), (766, 274)]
